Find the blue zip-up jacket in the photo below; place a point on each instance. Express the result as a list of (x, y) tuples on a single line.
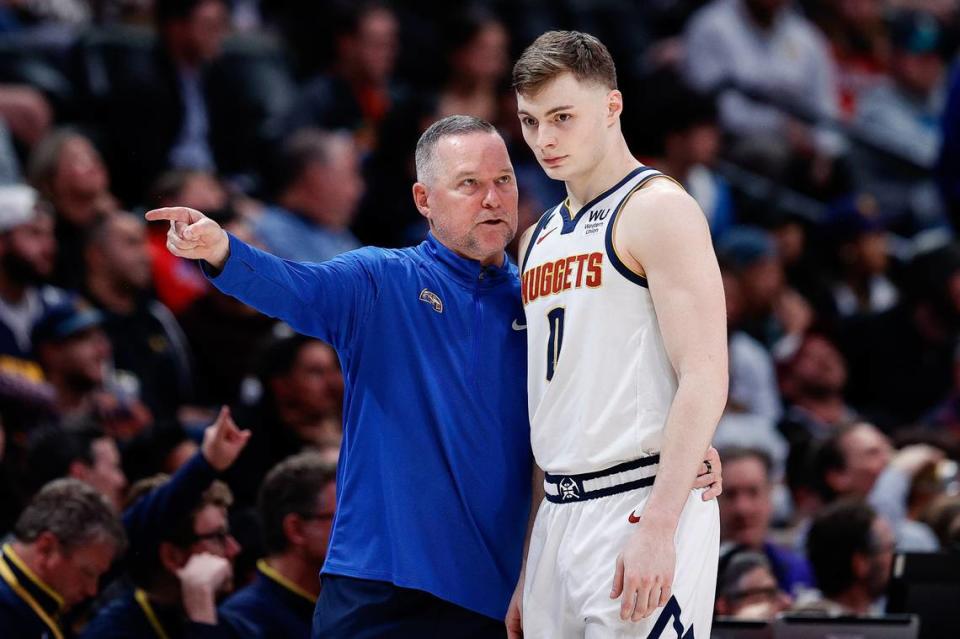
[(433, 483)]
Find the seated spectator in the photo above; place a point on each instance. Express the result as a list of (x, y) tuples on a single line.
[(296, 506), (319, 186), (857, 461), (478, 62), (221, 331), (27, 250), (159, 116), (299, 407), (860, 247), (747, 588), (77, 361), (178, 282), (357, 94), (902, 117), (64, 540), (762, 46), (25, 112), (691, 144), (812, 380), (86, 454), (68, 171), (145, 338), (181, 549), (772, 313), (746, 507), (901, 361), (859, 42), (851, 550)]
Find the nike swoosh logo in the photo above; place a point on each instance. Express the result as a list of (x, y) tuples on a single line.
[(633, 519), (544, 236), (518, 327)]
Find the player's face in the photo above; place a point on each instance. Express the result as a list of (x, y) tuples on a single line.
[(471, 200), (567, 124)]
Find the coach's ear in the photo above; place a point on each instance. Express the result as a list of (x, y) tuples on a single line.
[(421, 199)]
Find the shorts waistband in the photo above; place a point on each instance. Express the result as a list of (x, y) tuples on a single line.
[(566, 489)]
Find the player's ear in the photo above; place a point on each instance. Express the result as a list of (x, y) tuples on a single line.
[(421, 199), (614, 105)]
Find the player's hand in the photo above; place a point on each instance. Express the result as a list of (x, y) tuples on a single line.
[(644, 573), (223, 441), (710, 476), (201, 578), (514, 619), (193, 235)]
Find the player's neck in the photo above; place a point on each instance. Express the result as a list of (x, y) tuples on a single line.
[(617, 162)]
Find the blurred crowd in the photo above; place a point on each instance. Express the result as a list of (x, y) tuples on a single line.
[(820, 137)]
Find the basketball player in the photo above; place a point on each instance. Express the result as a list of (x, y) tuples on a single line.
[(627, 369)]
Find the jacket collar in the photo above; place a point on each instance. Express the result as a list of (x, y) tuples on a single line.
[(465, 270)]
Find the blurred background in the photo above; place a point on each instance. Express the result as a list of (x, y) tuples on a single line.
[(820, 137)]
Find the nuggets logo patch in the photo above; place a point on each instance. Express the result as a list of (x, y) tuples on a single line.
[(432, 299)]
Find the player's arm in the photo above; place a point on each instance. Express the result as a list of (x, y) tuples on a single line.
[(664, 234)]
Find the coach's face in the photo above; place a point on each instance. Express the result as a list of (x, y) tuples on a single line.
[(470, 197)]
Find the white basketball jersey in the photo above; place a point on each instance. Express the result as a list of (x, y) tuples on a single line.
[(599, 380)]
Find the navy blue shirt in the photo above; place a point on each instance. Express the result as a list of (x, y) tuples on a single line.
[(29, 609), (274, 608), (433, 483)]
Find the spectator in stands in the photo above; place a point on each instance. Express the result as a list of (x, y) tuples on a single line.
[(859, 42), (27, 253), (747, 588), (901, 361), (773, 314), (178, 282), (319, 186), (691, 145), (812, 380), (145, 338), (858, 462), (764, 49), (477, 66), (159, 117), (67, 170), (64, 540), (902, 118), (746, 508), (25, 113), (302, 389), (296, 505), (86, 454), (860, 248), (357, 94), (77, 361), (181, 549), (851, 550), (753, 383)]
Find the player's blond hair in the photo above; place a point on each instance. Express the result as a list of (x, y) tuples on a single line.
[(558, 52)]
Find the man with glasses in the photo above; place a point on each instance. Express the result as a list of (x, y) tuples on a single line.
[(296, 507), (182, 552)]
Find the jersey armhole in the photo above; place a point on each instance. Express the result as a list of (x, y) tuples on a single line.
[(612, 254)]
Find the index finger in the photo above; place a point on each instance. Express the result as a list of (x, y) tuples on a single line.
[(174, 214)]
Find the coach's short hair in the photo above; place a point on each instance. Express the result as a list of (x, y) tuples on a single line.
[(74, 512), (450, 125), (291, 487), (729, 454), (558, 52)]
